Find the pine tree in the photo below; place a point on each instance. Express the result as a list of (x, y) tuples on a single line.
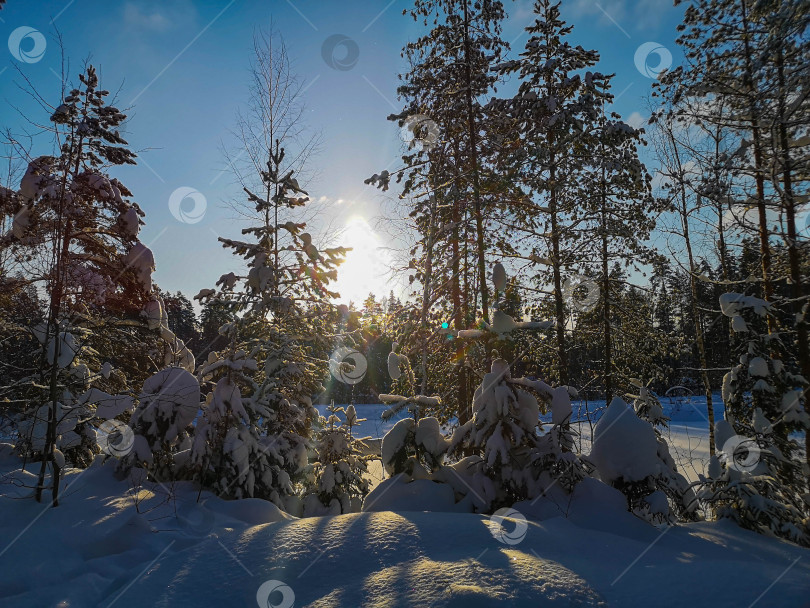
[(449, 179), (551, 114), (622, 213), (79, 228)]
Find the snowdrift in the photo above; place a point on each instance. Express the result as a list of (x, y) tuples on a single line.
[(124, 544)]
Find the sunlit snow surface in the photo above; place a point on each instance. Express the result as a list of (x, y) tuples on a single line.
[(102, 547)]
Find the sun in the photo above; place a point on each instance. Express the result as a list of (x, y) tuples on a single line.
[(366, 265)]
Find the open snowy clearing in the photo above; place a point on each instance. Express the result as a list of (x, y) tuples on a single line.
[(115, 543)]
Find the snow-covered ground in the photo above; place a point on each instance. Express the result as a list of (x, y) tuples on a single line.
[(117, 543)]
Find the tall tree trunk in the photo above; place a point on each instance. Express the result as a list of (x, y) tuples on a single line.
[(794, 262), (473, 134), (606, 330), (59, 272), (704, 374), (426, 292), (275, 220), (459, 320), (556, 263), (53, 396), (699, 338), (759, 175), (722, 247)]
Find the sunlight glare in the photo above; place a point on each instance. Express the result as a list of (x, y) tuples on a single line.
[(366, 266)]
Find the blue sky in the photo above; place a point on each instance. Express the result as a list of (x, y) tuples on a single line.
[(183, 67)]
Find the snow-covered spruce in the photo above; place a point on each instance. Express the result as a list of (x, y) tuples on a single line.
[(502, 429), (630, 456), (415, 448), (256, 431), (232, 453), (554, 462), (168, 404), (337, 477), (510, 461), (648, 407), (758, 479)]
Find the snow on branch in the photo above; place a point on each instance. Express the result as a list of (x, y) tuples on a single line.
[(398, 402)]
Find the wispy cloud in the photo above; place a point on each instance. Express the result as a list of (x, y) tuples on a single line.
[(636, 120), (144, 17), (631, 15), (158, 16)]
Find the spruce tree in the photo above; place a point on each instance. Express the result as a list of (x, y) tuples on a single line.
[(758, 480), (338, 473), (257, 427)]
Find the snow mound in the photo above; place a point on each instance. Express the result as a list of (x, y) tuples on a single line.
[(399, 494), (134, 543), (624, 445), (592, 505), (372, 559), (251, 511)]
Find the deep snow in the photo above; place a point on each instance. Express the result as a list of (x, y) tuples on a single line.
[(118, 543)]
